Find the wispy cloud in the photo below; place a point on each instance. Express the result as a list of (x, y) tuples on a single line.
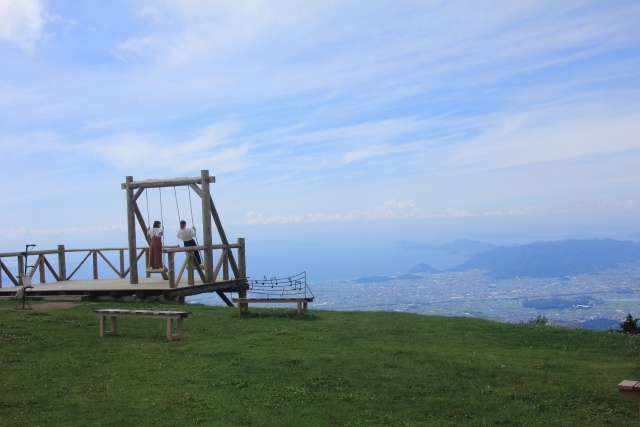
[(21, 22)]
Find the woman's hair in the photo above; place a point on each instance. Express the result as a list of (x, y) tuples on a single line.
[(183, 223), (156, 224)]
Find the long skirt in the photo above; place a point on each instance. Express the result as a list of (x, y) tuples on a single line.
[(196, 254), (155, 253)]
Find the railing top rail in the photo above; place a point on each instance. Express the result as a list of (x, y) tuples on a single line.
[(168, 248)]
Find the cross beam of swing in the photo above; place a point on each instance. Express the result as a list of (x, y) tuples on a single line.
[(158, 183)]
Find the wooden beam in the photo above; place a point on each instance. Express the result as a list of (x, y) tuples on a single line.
[(159, 183)]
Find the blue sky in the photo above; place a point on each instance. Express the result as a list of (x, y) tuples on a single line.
[(348, 121)]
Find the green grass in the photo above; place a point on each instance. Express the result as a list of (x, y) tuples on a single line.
[(274, 368)]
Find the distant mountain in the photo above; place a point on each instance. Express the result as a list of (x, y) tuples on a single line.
[(554, 259), (600, 324), (460, 246), (635, 236), (422, 268)]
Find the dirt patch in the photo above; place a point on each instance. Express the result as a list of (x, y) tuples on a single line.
[(47, 305)]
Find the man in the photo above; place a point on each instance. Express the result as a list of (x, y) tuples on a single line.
[(187, 235)]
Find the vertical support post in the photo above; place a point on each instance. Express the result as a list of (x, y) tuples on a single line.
[(146, 261), (172, 269), (225, 263), (41, 269), (95, 264), (121, 262), (206, 226), (190, 268), (1, 265), (242, 266), (21, 268), (62, 263), (131, 226)]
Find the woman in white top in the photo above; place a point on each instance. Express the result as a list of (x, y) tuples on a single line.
[(155, 248), (187, 235)]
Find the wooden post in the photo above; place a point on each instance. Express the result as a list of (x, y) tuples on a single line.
[(41, 269), (225, 263), (146, 261), (172, 269), (21, 269), (190, 268), (242, 266), (121, 263), (62, 265), (95, 264), (206, 226), (131, 226)]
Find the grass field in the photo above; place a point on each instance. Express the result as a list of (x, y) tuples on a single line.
[(274, 368)]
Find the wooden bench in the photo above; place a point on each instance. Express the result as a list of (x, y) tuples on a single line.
[(170, 316), (243, 303), (630, 389)]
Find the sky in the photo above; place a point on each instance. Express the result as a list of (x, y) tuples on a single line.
[(335, 129)]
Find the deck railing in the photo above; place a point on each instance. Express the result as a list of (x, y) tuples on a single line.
[(43, 264)]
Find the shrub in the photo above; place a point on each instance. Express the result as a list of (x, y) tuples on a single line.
[(540, 319), (630, 325)]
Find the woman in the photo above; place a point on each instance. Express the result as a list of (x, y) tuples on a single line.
[(187, 235), (155, 248)]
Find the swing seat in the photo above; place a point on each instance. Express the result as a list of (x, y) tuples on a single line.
[(157, 270)]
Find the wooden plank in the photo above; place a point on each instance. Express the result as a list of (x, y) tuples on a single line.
[(628, 385)]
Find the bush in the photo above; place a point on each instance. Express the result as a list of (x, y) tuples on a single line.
[(630, 325), (540, 319)]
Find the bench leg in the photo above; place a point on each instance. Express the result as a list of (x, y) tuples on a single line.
[(178, 335), (243, 307), (103, 331)]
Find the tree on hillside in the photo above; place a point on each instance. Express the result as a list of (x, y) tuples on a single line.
[(630, 325)]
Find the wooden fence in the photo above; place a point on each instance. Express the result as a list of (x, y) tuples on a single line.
[(43, 264)]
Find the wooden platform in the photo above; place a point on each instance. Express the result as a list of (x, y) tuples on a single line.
[(121, 289)]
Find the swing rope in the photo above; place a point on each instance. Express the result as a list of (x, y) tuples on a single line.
[(177, 205), (162, 224), (190, 207), (146, 195)]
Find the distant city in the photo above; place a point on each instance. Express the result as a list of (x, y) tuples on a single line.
[(591, 301), (592, 284)]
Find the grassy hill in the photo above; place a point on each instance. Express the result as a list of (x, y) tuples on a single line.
[(328, 368)]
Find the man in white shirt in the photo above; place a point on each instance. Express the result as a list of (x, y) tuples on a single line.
[(187, 235)]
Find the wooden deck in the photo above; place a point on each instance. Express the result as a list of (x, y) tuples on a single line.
[(122, 290)]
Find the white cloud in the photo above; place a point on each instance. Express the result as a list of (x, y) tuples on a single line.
[(40, 232), (208, 149), (21, 22)]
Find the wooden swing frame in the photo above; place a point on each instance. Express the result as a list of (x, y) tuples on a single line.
[(201, 186)]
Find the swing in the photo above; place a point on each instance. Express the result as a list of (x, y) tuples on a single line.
[(162, 270)]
